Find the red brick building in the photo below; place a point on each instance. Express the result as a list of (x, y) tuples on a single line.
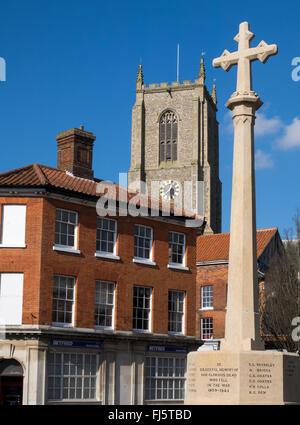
[(212, 273), (96, 309), (103, 309)]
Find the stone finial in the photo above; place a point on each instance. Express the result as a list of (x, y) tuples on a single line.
[(214, 93), (201, 75), (139, 78)]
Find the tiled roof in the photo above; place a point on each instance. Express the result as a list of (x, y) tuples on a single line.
[(36, 175), (214, 247), (41, 175)]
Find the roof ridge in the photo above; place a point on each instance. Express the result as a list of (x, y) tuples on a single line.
[(216, 234), (41, 175), (228, 233), (68, 173), (51, 168), (267, 228)]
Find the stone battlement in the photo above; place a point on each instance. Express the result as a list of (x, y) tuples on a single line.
[(174, 84)]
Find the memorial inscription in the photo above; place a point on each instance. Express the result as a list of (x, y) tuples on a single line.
[(220, 378), (255, 377), (260, 377)]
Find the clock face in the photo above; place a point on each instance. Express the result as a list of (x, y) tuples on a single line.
[(169, 190)]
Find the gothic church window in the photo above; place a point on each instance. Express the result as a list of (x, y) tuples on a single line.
[(168, 127)]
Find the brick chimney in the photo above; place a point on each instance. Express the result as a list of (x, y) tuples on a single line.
[(75, 152)]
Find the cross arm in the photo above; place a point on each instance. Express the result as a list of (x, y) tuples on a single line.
[(226, 60), (262, 52)]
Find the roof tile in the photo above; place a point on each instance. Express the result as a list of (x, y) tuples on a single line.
[(42, 175), (214, 247)]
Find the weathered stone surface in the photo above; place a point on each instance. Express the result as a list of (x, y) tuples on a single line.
[(236, 377), (242, 373), (198, 144)]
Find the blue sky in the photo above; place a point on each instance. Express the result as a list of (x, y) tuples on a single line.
[(75, 62)]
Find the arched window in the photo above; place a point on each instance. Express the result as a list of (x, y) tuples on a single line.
[(10, 367), (168, 127)]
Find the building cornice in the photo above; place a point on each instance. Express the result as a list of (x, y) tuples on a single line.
[(211, 263), (81, 199), (33, 331)]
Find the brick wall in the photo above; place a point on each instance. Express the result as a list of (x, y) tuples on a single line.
[(40, 263), (26, 260), (75, 152), (217, 276)]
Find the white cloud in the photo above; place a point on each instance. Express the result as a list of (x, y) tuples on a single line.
[(291, 136), (264, 126), (263, 160)]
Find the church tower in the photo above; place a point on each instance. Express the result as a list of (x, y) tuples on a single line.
[(175, 140)]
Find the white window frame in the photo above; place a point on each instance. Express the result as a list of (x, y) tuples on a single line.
[(113, 305), (63, 324), (182, 265), (150, 311), (61, 375), (148, 261), (158, 379), (67, 248), (11, 298), (13, 244), (205, 296), (105, 254), (211, 327), (182, 321)]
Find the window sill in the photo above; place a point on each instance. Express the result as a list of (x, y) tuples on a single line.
[(143, 331), (168, 164), (62, 325), (155, 401), (13, 245), (66, 249), (143, 261), (176, 333), (68, 401), (106, 255), (177, 266), (206, 308), (104, 328)]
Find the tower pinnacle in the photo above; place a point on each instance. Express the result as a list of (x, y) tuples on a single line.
[(214, 93), (201, 75), (139, 78)]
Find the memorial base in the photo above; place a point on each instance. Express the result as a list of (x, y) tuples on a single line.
[(246, 377)]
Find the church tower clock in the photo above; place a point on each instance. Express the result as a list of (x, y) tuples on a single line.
[(175, 140)]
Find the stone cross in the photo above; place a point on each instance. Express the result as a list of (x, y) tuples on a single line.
[(242, 350), (242, 325), (244, 56)]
